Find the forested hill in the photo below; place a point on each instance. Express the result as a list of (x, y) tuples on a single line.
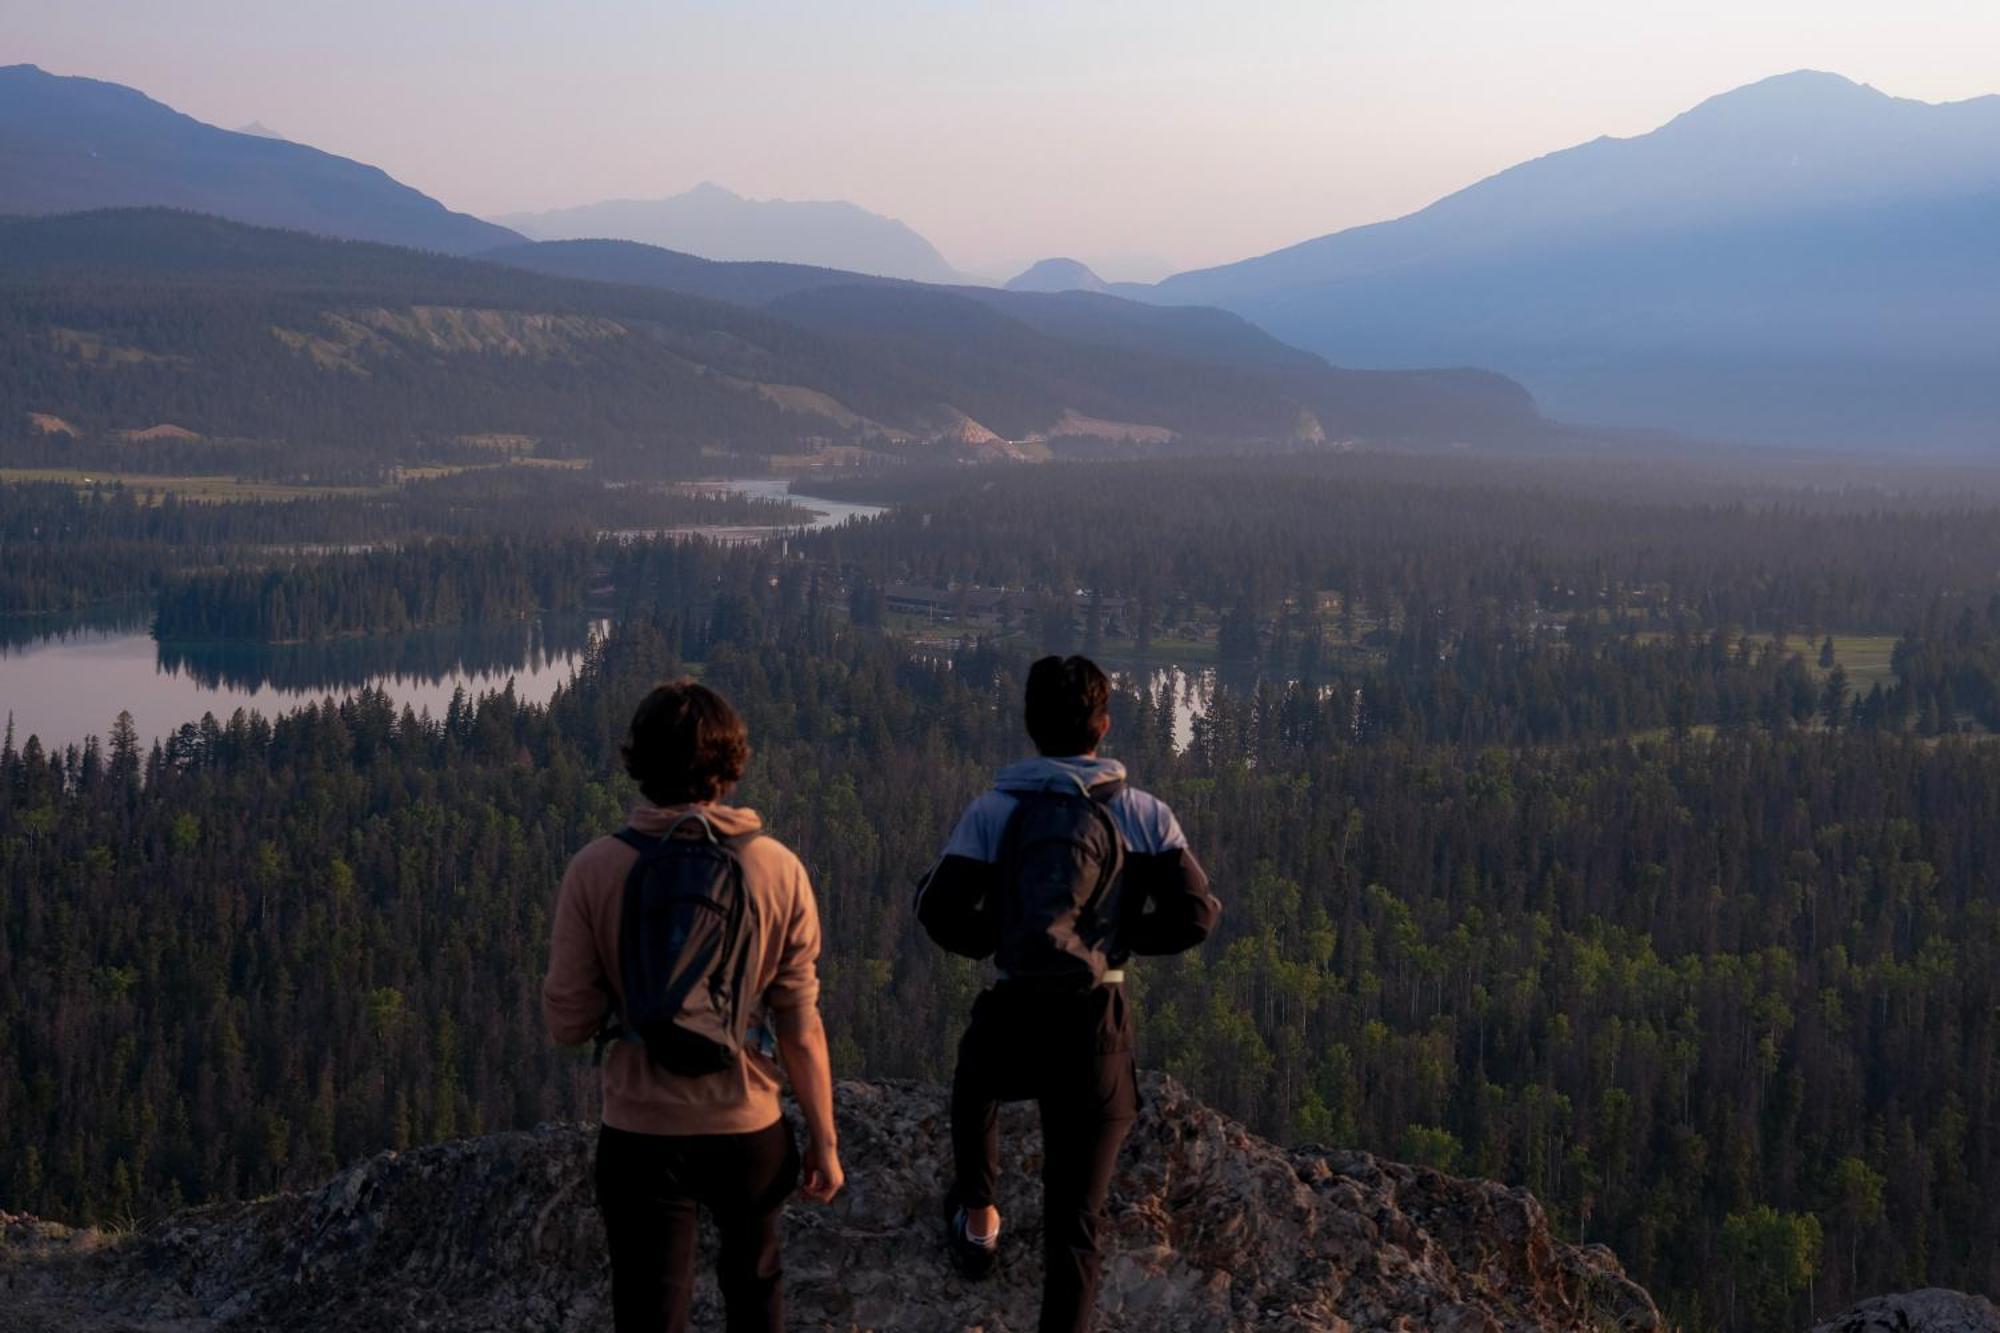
[(122, 321), (935, 323), (1197, 333)]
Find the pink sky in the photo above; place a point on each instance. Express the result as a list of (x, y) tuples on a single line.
[(1140, 137)]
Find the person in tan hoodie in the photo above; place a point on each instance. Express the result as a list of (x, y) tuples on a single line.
[(720, 1141)]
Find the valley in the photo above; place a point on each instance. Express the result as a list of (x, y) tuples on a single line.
[(1563, 619)]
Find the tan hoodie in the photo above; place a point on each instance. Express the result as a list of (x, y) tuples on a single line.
[(583, 982)]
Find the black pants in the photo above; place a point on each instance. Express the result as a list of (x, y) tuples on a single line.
[(1072, 1053), (648, 1186)]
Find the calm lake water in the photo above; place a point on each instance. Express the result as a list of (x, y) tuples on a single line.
[(72, 682), (64, 680)]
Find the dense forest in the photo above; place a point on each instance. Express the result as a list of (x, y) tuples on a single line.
[(419, 586), (64, 547), (1562, 852), (1456, 537)]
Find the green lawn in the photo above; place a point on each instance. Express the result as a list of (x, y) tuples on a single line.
[(220, 489), (1865, 658), (211, 488)]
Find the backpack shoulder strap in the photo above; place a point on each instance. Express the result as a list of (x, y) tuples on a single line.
[(1100, 806), (637, 841)]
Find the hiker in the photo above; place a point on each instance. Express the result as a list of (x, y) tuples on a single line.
[(690, 938), (1061, 872)]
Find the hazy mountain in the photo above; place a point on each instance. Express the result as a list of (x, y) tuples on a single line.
[(1197, 333), (372, 353), (1191, 370), (69, 143), (1805, 260), (1056, 275), (716, 223), (260, 129)]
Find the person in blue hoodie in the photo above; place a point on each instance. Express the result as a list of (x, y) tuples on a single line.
[(1063, 872)]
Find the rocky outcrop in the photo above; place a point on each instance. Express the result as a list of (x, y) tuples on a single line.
[(1209, 1227), (1932, 1310)]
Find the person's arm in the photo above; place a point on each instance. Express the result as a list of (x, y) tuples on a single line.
[(802, 1043), (793, 1001), (956, 903), (1168, 906), (576, 995), (1182, 911)]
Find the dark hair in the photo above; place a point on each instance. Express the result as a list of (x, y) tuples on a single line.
[(687, 744), (1069, 705)]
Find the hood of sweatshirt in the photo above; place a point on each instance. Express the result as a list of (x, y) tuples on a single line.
[(1066, 774), (727, 820)]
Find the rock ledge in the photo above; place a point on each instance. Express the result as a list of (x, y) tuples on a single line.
[(1931, 1310), (1209, 1228)]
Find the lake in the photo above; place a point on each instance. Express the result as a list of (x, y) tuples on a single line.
[(64, 679), (72, 682)]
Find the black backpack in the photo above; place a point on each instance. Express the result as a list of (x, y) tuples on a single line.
[(1060, 863), (688, 936)]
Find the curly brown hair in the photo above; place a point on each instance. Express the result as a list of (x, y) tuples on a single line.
[(686, 744)]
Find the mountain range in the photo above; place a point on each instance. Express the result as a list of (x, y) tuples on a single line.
[(126, 320), (139, 319), (716, 223), (1804, 261), (68, 144)]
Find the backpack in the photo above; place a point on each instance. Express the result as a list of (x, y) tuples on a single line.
[(687, 935), (1061, 859)]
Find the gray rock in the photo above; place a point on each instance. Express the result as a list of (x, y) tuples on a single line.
[(1931, 1310), (1209, 1228)]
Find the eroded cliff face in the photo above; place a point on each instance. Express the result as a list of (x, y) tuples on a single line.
[(1209, 1228)]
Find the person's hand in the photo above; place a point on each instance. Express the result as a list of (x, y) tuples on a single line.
[(823, 1176)]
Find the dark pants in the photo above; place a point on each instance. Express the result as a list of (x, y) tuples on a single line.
[(648, 1186), (1072, 1053)]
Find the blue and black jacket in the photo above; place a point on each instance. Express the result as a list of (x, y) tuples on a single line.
[(1165, 902)]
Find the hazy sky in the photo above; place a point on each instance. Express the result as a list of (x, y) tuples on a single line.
[(1138, 136)]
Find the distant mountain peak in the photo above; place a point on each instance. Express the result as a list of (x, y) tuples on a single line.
[(1802, 96), (1802, 260), (714, 222), (262, 131), (1803, 83), (1056, 275)]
